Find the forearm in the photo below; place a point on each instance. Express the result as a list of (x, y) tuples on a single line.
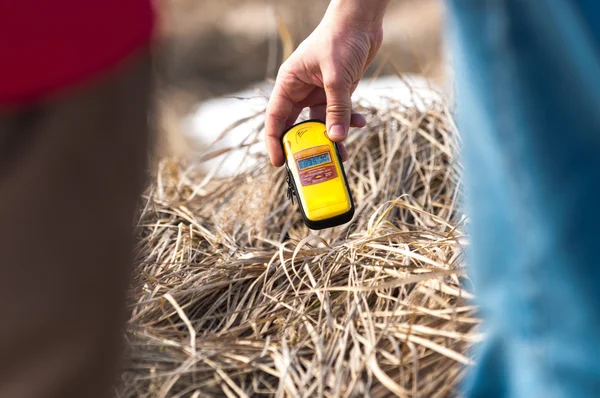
[(362, 14)]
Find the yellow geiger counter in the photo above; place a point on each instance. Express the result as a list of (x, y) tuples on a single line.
[(316, 175)]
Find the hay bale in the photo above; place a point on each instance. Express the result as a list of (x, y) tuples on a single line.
[(234, 296)]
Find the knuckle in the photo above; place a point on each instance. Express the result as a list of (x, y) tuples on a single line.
[(338, 109), (336, 79), (284, 68), (274, 108)]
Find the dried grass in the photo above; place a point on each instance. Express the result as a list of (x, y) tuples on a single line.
[(234, 297)]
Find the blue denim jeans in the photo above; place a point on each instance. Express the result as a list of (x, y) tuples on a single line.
[(528, 106)]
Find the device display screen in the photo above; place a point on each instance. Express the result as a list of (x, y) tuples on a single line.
[(314, 161)]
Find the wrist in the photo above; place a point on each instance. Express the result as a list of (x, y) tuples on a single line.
[(366, 15)]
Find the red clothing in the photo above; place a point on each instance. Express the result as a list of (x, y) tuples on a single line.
[(48, 45)]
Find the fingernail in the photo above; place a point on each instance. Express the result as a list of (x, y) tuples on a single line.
[(337, 132)]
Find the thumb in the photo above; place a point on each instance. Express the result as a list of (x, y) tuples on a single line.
[(338, 93)]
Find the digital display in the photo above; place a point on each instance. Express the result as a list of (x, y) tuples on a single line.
[(314, 161)]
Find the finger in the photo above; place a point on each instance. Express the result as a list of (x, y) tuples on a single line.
[(279, 110), (319, 112), (291, 120), (357, 120), (339, 106), (315, 97), (317, 101), (343, 151)]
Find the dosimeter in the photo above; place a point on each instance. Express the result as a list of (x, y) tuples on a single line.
[(316, 175)]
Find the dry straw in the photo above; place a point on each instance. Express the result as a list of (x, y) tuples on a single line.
[(234, 297)]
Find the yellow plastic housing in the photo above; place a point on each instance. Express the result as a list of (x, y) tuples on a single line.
[(319, 179)]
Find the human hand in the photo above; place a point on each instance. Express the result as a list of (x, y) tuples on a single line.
[(322, 74)]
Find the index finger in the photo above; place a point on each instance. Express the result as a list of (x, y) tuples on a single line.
[(279, 109)]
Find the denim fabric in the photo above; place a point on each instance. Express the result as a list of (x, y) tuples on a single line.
[(528, 106)]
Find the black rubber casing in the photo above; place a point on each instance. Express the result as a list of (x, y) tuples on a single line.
[(329, 222)]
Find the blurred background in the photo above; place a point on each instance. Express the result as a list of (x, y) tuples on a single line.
[(212, 48)]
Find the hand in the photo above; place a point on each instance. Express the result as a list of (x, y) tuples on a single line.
[(322, 74)]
